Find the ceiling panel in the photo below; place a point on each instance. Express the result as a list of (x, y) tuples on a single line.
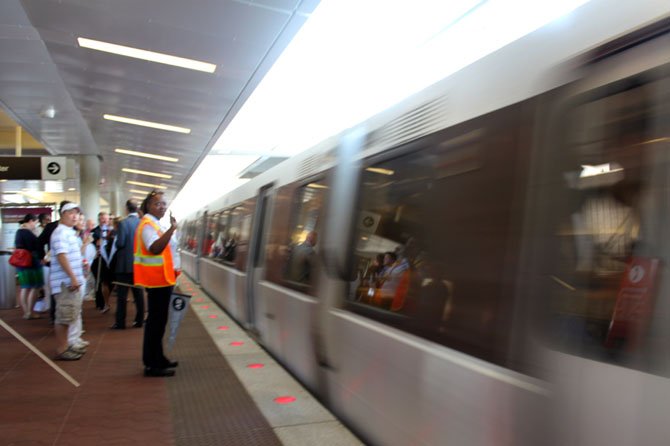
[(41, 64)]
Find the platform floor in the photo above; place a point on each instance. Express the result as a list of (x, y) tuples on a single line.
[(227, 390)]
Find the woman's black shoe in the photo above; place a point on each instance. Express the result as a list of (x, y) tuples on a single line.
[(155, 371)]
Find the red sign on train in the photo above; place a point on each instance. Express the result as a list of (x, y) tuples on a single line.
[(634, 303)]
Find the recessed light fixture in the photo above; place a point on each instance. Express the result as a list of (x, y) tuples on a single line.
[(71, 189), (317, 186), (380, 170), (139, 183), (137, 191), (144, 172), (153, 125), (151, 56), (146, 155)]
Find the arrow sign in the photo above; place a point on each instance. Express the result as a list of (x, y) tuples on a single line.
[(53, 167)]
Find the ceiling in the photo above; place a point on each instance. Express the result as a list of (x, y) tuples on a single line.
[(42, 65)]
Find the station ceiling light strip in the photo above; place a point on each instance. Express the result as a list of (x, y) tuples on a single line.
[(137, 191), (150, 56), (139, 183), (153, 125), (144, 172), (146, 155)]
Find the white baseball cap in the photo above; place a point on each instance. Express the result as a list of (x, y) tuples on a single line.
[(69, 207)]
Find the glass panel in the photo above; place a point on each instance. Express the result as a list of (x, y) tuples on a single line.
[(220, 235), (434, 235), (301, 259), (607, 224), (210, 235)]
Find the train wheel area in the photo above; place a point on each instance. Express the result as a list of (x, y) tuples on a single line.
[(226, 389)]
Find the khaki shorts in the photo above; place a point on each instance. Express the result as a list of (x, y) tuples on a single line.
[(68, 306)]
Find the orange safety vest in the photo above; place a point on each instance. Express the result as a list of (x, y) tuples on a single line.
[(150, 270)]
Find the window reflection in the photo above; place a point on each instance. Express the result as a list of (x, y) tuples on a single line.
[(606, 225)]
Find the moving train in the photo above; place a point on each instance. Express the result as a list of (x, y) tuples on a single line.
[(482, 264)]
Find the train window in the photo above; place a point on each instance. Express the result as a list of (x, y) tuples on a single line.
[(199, 234), (434, 236), (607, 224), (218, 233), (300, 270), (182, 234), (190, 240), (290, 254), (210, 227)]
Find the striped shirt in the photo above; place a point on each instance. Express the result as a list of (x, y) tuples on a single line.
[(64, 240)]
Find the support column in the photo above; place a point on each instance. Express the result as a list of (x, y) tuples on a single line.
[(89, 185), (115, 206)]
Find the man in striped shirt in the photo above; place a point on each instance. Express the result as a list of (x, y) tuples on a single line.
[(66, 279)]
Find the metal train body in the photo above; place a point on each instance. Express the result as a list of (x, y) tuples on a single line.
[(501, 188)]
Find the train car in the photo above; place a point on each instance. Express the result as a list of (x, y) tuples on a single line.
[(482, 264)]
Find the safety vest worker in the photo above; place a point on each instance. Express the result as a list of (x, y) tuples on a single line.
[(151, 270)]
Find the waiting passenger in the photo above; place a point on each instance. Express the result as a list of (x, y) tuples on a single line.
[(302, 258), (31, 278), (66, 280)]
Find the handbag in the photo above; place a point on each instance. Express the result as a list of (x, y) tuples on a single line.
[(21, 258)]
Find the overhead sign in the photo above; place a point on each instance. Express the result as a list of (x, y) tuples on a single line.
[(33, 168)]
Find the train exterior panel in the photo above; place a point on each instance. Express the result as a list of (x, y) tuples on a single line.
[(458, 268)]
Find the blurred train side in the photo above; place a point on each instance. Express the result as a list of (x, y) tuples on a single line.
[(476, 198)]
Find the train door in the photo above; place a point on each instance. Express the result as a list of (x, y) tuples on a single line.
[(255, 264), (602, 250)]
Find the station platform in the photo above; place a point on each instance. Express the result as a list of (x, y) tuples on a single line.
[(226, 391)]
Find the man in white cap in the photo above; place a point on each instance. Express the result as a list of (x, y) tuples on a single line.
[(66, 279)]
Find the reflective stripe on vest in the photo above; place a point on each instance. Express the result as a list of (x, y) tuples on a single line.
[(149, 270)]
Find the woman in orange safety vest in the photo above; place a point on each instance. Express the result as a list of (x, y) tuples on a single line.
[(156, 267)]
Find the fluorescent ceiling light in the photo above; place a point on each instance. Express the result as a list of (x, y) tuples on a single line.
[(146, 155), (380, 170), (137, 191), (144, 172), (153, 125), (151, 56), (71, 189), (600, 169), (139, 183), (317, 186)]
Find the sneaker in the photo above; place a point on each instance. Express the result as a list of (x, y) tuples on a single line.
[(77, 348), (83, 342), (68, 355), (105, 309)]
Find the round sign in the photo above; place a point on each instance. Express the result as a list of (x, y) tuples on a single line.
[(636, 274)]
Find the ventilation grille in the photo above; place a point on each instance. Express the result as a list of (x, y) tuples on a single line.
[(419, 122), (310, 165)]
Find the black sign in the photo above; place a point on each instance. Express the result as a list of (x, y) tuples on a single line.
[(32, 168), (20, 168)]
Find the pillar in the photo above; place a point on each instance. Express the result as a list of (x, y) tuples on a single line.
[(89, 185), (115, 206)]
